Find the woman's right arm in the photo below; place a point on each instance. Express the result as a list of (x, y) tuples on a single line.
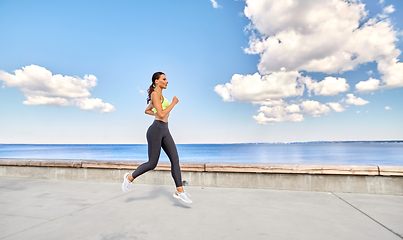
[(158, 106)]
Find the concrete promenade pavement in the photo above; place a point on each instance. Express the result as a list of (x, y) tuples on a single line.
[(54, 209)]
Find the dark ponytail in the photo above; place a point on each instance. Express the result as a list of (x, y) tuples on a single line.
[(152, 87)]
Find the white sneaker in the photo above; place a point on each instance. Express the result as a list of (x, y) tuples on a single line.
[(126, 185), (184, 196)]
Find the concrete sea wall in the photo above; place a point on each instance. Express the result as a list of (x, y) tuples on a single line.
[(323, 178)]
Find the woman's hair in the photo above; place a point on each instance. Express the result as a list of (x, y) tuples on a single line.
[(152, 87)]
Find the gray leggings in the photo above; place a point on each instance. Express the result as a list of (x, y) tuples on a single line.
[(158, 136)]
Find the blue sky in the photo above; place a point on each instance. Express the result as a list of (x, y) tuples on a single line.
[(254, 71)]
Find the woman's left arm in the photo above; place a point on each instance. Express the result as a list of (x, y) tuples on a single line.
[(149, 110)]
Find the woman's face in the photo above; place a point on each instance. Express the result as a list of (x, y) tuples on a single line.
[(162, 81)]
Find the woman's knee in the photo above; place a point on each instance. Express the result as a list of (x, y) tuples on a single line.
[(151, 165), (175, 160)]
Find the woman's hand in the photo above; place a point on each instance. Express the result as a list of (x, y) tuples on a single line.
[(175, 100), (149, 110)]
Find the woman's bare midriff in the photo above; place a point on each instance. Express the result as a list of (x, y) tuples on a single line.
[(165, 119)]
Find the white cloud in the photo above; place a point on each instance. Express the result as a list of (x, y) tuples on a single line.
[(254, 88), (336, 107), (388, 9), (224, 91), (279, 102), (292, 37), (314, 108), (94, 103), (40, 87), (311, 35), (50, 101), (215, 4), (280, 111), (330, 86), (355, 100), (368, 86), (388, 108), (392, 73), (286, 113), (37, 81), (321, 36)]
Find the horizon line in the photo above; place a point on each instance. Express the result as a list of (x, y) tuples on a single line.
[(292, 142)]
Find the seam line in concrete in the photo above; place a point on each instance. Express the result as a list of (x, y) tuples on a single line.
[(368, 216), (12, 215), (81, 209)]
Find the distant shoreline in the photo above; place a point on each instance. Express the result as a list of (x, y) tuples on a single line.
[(309, 142)]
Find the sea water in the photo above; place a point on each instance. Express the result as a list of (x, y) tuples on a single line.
[(323, 153)]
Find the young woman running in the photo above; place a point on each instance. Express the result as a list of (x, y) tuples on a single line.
[(158, 136)]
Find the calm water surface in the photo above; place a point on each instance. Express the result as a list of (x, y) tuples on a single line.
[(339, 153)]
